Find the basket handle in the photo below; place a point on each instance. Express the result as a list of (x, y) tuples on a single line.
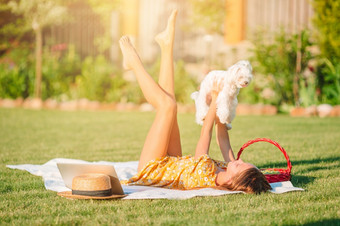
[(289, 164)]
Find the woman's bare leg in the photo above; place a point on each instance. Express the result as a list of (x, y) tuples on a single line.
[(166, 77), (157, 140)]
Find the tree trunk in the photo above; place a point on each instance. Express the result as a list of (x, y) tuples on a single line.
[(297, 72), (38, 62)]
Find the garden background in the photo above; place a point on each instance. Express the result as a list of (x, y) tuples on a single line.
[(64, 51), (64, 55)]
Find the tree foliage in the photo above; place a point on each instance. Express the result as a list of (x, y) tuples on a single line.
[(327, 22), (11, 29), (38, 13)]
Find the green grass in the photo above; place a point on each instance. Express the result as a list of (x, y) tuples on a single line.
[(35, 137)]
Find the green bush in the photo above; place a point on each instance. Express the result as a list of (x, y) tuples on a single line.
[(307, 92), (326, 20), (17, 74), (331, 82), (276, 61), (66, 77), (99, 80), (59, 71)]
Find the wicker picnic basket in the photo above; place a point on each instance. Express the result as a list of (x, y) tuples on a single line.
[(272, 174)]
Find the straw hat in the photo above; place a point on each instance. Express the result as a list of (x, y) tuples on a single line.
[(91, 186)]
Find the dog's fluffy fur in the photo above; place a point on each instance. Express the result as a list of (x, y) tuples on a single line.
[(237, 76)]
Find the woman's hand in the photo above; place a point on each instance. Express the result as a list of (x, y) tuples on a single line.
[(214, 94)]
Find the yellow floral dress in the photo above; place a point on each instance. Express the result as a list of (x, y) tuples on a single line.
[(184, 172)]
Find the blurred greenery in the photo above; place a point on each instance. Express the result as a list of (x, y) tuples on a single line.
[(330, 73), (65, 75), (277, 60), (36, 15), (11, 29), (59, 71), (99, 80), (327, 34), (326, 20), (17, 74)]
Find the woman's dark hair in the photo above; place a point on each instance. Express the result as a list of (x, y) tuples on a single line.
[(250, 181)]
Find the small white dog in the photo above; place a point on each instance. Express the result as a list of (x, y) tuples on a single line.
[(237, 76)]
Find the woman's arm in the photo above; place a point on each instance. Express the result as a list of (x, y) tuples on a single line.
[(222, 138), (203, 144)]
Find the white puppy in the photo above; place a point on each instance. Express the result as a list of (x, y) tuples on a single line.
[(237, 76)]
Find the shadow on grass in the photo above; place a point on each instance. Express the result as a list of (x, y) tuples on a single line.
[(324, 222), (310, 162), (312, 166), (299, 180)]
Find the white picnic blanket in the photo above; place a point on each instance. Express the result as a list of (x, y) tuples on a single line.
[(53, 181)]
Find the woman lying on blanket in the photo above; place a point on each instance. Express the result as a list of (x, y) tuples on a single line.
[(161, 162)]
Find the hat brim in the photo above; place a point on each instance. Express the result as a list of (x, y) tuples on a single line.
[(68, 194)]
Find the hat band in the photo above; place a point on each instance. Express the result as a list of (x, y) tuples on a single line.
[(100, 193)]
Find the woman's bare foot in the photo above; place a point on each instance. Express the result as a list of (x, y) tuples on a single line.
[(130, 56), (166, 38)]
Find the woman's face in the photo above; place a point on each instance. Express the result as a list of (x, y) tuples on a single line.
[(236, 167)]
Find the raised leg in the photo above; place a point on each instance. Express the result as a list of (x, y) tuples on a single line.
[(165, 40), (157, 141)]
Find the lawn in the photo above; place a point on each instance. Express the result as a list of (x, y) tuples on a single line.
[(34, 137)]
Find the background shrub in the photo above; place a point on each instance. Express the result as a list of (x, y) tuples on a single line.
[(99, 80), (277, 61), (17, 74), (330, 73), (327, 34), (59, 71)]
